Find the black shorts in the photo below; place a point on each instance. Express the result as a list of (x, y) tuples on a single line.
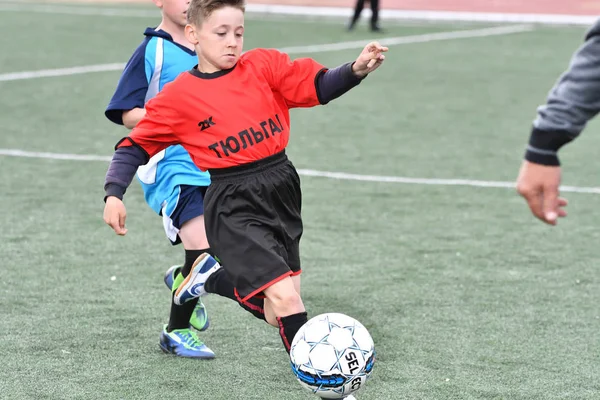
[(253, 222)]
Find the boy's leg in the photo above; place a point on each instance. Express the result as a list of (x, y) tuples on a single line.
[(283, 302), (220, 284), (256, 232), (193, 238), (177, 336), (269, 312), (286, 304), (297, 283), (185, 224)]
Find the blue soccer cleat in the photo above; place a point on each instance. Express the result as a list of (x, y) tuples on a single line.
[(170, 275), (199, 319), (193, 285), (184, 343)]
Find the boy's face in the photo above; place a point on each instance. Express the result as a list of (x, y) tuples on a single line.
[(219, 39), (174, 10)]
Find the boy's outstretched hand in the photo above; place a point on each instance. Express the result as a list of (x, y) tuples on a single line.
[(115, 214), (369, 59)]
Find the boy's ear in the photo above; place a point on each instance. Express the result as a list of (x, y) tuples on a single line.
[(191, 34), (158, 3)]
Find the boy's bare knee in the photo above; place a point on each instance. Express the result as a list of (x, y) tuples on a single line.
[(285, 300)]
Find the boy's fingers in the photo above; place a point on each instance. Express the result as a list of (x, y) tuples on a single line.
[(114, 224), (121, 224), (119, 229), (117, 223), (375, 47), (122, 217)]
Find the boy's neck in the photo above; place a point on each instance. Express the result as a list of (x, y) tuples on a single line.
[(177, 33), (206, 67)]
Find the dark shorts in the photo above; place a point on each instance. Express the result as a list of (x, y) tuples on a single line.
[(253, 222), (189, 206)]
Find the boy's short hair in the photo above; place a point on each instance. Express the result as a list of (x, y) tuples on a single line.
[(199, 10)]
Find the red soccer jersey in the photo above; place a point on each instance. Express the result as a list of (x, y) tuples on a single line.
[(231, 117)]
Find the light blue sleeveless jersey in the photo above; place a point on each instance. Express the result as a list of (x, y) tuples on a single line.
[(156, 62)]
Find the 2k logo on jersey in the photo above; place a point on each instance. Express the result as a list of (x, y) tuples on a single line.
[(207, 123)]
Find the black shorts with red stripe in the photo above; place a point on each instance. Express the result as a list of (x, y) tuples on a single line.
[(253, 222)]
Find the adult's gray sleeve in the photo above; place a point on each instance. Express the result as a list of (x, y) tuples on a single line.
[(571, 103)]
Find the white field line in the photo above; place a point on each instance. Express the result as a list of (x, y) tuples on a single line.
[(423, 38), (317, 48), (277, 9), (52, 156), (322, 174), (448, 16), (83, 10), (76, 10), (45, 73)]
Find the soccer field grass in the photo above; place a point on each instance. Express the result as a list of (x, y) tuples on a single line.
[(465, 295)]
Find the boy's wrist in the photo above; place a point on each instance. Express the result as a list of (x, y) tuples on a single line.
[(114, 190), (356, 72)]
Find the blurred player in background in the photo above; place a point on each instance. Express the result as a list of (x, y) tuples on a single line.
[(360, 4), (573, 101)]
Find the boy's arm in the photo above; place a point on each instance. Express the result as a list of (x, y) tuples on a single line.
[(132, 117), (306, 83), (295, 81), (122, 169), (131, 91), (333, 83), (573, 101), (153, 134)]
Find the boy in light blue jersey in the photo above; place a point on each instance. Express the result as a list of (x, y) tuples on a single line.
[(173, 186)]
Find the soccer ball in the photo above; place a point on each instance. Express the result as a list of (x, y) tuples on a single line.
[(332, 355)]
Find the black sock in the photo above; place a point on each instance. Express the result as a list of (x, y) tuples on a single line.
[(219, 283), (289, 326), (180, 315), (190, 258)]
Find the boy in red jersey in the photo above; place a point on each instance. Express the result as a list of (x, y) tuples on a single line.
[(231, 113)]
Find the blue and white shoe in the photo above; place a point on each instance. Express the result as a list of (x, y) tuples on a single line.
[(199, 319), (184, 343), (170, 275), (193, 285)]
